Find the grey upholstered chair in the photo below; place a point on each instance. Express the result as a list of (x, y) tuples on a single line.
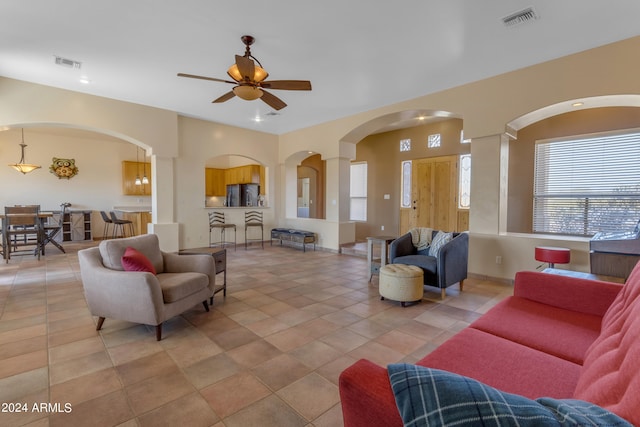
[(447, 268), (180, 282)]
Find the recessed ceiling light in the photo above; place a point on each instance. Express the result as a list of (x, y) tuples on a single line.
[(577, 104), (257, 119), (85, 80)]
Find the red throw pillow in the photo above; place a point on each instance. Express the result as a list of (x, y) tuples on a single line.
[(133, 260)]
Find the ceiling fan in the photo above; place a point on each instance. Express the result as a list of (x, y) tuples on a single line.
[(250, 82)]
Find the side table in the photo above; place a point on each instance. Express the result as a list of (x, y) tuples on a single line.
[(220, 258), (373, 262)]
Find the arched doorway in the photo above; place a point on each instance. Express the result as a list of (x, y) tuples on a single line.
[(396, 143)]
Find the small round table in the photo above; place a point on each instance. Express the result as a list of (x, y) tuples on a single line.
[(553, 255)]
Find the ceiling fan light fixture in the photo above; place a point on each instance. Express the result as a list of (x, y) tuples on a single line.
[(248, 93), (259, 74), (249, 79)]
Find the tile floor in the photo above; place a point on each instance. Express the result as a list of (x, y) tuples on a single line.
[(267, 355)]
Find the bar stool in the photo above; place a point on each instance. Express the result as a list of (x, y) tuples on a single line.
[(120, 223), (107, 221), (253, 219), (217, 222), (553, 255)]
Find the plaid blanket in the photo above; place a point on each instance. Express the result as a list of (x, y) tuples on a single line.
[(431, 397)]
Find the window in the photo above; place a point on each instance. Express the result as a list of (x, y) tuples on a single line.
[(464, 188), (433, 141), (358, 192), (587, 184), (405, 145), (405, 179)]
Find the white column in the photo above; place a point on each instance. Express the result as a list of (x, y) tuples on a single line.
[(162, 201)]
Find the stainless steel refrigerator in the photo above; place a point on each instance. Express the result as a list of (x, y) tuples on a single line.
[(242, 195)]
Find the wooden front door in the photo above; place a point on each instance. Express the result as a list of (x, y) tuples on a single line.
[(434, 187)]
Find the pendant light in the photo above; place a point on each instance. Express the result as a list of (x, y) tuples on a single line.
[(23, 167), (145, 180), (138, 181)]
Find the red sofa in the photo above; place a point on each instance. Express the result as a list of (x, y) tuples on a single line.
[(557, 336)]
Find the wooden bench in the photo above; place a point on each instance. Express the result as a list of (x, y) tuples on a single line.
[(295, 236)]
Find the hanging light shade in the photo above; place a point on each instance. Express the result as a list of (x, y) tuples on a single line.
[(23, 167), (145, 180), (138, 180), (259, 73), (248, 93)]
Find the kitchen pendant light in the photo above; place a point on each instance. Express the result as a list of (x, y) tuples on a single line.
[(145, 180), (23, 167), (138, 181)]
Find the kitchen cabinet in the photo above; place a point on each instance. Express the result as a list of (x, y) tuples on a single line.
[(215, 182), (249, 174), (131, 171), (139, 220)]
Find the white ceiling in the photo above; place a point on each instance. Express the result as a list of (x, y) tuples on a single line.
[(358, 54)]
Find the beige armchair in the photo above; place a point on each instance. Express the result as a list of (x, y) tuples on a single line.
[(180, 282)]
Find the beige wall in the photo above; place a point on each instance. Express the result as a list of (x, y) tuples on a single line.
[(29, 104), (181, 146), (97, 186), (200, 142), (383, 156), (521, 152)]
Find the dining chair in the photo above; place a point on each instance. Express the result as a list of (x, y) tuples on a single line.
[(21, 227), (28, 209), (52, 227)]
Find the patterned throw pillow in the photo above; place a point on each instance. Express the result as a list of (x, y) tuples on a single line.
[(441, 238), (431, 397)]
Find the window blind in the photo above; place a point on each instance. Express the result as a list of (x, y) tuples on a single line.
[(585, 185), (358, 192)]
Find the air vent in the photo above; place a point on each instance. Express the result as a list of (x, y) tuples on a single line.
[(521, 17), (272, 113), (69, 63)]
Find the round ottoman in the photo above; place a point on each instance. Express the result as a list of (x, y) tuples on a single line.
[(400, 282)]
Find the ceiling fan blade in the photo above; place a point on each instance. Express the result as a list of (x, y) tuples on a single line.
[(272, 100), (193, 76), (246, 67), (227, 96), (287, 84)]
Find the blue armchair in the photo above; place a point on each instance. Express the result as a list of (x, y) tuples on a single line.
[(448, 268)]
